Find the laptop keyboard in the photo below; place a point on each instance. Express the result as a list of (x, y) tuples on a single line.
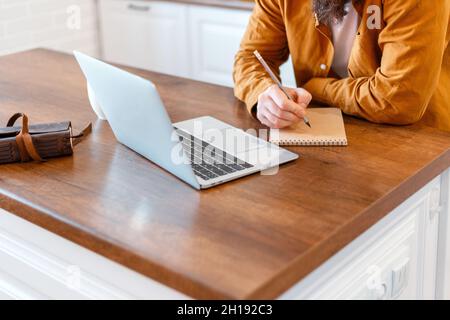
[(208, 161)]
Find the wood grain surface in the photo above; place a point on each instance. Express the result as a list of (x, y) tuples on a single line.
[(251, 238)]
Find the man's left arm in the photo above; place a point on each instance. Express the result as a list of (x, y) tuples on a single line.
[(413, 43)]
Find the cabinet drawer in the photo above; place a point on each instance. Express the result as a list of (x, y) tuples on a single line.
[(150, 35), (137, 8), (367, 267)]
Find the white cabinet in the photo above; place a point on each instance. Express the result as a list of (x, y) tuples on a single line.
[(148, 35), (192, 41), (37, 264), (443, 271), (215, 36), (395, 259)]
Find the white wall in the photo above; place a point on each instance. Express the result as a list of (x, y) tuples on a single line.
[(26, 24)]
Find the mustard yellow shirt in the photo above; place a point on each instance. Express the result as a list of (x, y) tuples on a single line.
[(399, 68)]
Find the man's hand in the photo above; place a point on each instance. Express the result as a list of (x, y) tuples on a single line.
[(276, 111)]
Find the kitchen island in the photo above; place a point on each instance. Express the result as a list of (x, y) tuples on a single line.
[(108, 223)]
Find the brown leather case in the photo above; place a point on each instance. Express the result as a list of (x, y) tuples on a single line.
[(37, 142)]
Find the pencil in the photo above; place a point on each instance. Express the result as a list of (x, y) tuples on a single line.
[(277, 82)]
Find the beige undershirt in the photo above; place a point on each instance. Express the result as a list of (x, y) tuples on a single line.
[(344, 34)]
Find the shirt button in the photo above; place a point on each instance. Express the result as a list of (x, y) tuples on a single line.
[(323, 66)]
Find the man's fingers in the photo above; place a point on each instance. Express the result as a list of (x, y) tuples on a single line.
[(274, 121), (261, 117), (283, 102), (284, 115), (281, 99), (302, 96), (264, 120), (276, 110)]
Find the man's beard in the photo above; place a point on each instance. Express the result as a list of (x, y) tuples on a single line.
[(329, 11)]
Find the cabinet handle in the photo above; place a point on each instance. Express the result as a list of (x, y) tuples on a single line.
[(136, 7), (377, 287)]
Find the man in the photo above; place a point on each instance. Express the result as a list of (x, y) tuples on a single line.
[(387, 61)]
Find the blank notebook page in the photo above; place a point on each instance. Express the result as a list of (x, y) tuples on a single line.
[(327, 130)]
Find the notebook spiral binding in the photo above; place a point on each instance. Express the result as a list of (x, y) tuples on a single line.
[(333, 142)]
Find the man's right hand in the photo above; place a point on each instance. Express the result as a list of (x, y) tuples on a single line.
[(276, 111)]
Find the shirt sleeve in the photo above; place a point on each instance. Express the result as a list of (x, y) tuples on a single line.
[(265, 33), (413, 42)]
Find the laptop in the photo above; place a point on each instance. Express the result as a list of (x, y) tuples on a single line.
[(203, 152)]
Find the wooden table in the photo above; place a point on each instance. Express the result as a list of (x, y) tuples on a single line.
[(251, 238)]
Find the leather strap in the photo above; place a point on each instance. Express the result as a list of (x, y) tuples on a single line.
[(13, 119), (22, 150), (82, 134), (24, 140)]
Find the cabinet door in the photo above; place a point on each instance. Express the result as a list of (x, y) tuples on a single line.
[(443, 270), (215, 36), (148, 35), (394, 259)]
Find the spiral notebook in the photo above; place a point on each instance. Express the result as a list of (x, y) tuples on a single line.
[(327, 130)]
